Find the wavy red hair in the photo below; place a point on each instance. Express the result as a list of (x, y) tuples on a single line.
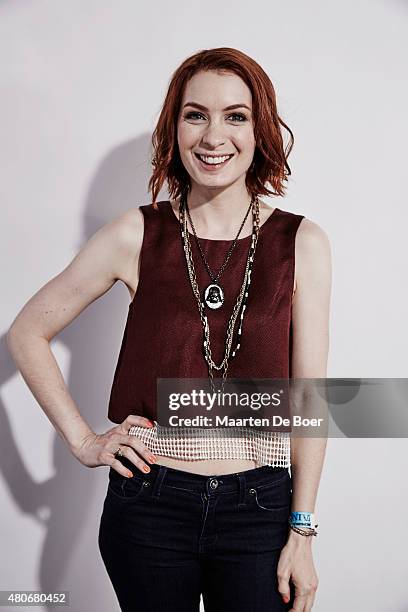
[(269, 165)]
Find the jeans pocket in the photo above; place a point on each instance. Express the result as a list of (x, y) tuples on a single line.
[(274, 497), (126, 489)]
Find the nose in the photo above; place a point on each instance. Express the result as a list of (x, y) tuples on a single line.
[(213, 136)]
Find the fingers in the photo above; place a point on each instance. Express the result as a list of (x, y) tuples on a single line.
[(283, 587), (311, 596), (303, 602), (310, 602), (136, 451), (119, 467), (133, 449), (135, 419), (131, 446), (299, 604)]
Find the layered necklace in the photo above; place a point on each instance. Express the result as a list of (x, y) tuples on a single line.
[(213, 295)]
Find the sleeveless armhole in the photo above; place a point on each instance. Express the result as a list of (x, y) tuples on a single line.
[(141, 263), (296, 229), (298, 221)]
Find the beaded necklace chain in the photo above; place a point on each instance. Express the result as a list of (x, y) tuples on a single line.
[(241, 303)]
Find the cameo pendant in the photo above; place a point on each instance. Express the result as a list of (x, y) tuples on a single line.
[(214, 296)]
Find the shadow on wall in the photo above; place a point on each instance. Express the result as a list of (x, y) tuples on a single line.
[(71, 501)]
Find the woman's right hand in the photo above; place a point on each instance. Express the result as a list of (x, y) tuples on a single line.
[(99, 449)]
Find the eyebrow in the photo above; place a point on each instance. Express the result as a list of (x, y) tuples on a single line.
[(231, 107)]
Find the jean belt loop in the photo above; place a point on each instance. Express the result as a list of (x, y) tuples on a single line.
[(241, 485), (158, 480)]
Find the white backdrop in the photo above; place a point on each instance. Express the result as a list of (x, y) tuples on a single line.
[(82, 83)]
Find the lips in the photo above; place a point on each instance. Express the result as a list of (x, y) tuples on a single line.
[(211, 166)]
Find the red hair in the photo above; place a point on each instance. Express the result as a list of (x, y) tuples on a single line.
[(269, 165)]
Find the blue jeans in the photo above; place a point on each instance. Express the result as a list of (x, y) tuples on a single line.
[(168, 536)]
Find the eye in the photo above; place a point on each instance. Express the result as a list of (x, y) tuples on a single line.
[(195, 114), (240, 115)]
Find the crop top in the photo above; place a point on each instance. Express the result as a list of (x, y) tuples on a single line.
[(163, 333)]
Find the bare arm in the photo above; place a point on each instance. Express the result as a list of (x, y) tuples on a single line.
[(111, 254), (310, 320), (310, 316)]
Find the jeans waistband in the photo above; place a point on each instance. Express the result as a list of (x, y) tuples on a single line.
[(222, 483)]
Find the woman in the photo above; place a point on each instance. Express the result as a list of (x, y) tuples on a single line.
[(216, 516)]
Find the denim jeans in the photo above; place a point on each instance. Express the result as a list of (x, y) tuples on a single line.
[(170, 536)]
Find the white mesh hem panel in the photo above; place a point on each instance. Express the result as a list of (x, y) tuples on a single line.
[(264, 447)]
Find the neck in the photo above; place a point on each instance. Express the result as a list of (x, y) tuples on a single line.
[(219, 214)]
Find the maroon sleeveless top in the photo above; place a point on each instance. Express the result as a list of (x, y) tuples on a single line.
[(163, 336)]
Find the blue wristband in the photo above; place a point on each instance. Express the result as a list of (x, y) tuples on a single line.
[(303, 519)]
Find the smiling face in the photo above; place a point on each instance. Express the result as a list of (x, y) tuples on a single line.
[(216, 142)]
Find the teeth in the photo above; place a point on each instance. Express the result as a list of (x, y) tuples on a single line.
[(214, 160)]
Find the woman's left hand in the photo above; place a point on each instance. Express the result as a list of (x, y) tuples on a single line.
[(296, 563)]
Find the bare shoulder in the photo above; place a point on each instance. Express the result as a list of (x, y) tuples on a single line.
[(119, 241), (312, 254), (311, 239), (313, 251), (127, 232), (122, 226)]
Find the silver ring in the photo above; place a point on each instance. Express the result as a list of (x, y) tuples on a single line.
[(118, 453)]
